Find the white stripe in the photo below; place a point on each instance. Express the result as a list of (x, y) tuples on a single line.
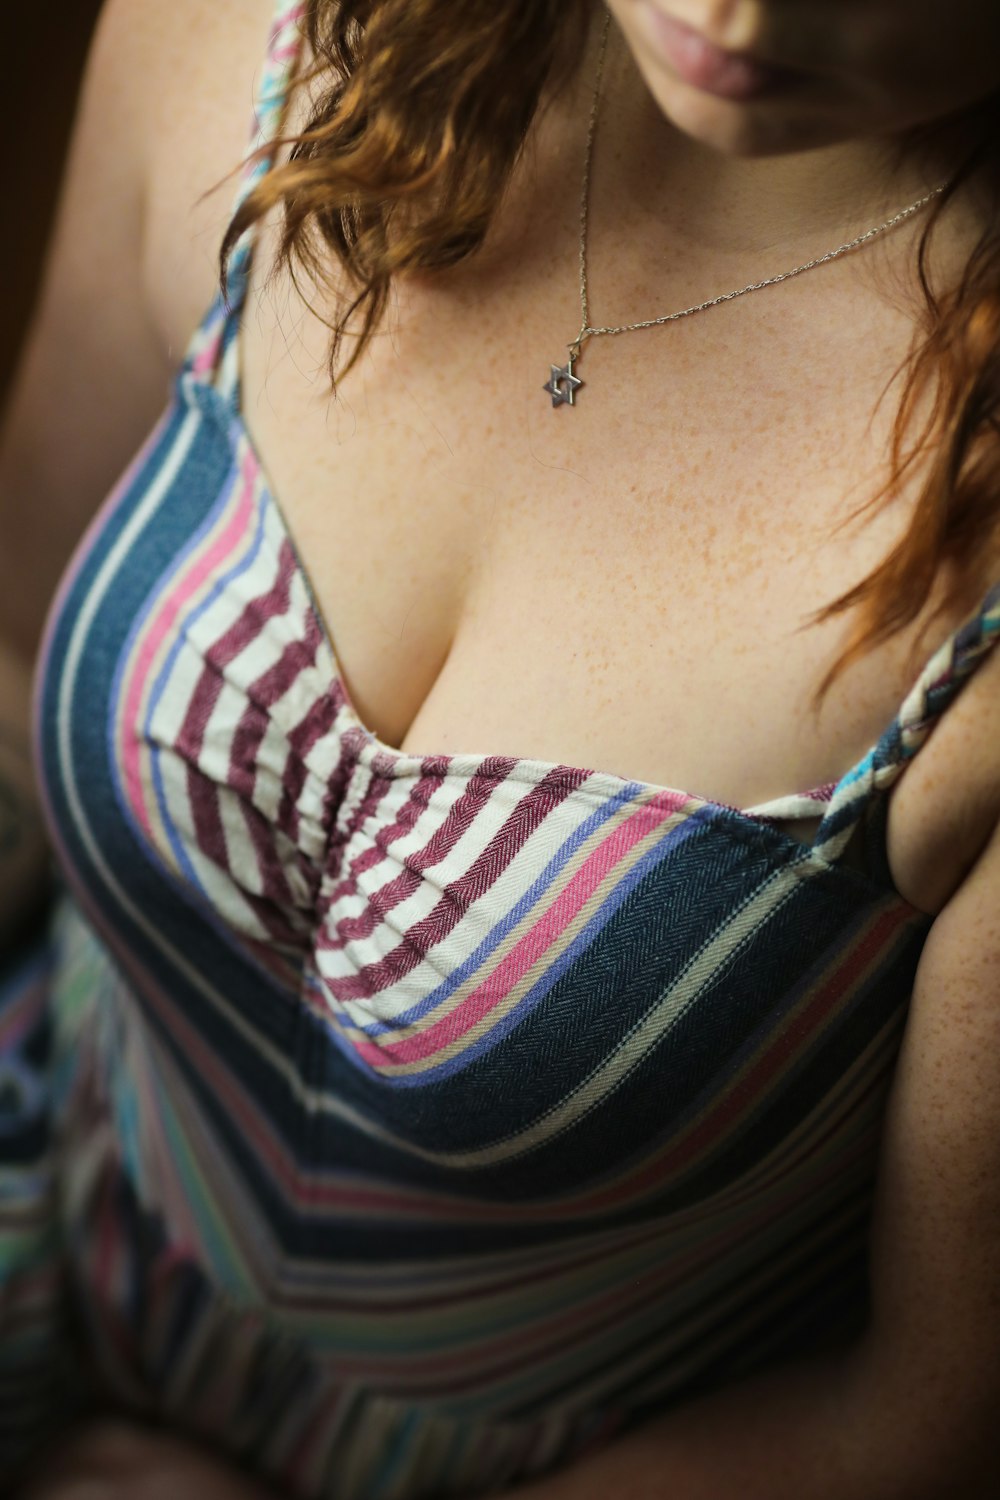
[(307, 1099)]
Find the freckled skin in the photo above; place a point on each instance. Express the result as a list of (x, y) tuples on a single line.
[(679, 523), (625, 585)]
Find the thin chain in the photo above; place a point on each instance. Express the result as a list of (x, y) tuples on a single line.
[(587, 332), (595, 109)]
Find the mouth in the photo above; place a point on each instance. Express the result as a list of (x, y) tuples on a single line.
[(701, 64)]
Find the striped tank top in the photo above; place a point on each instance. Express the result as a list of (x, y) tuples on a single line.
[(406, 1124)]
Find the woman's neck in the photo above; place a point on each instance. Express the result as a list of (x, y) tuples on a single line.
[(648, 171)]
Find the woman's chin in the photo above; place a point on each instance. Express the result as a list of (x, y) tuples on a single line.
[(750, 128)]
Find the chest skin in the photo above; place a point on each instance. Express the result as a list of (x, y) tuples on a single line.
[(627, 585)]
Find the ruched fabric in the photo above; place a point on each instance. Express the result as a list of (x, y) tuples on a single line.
[(408, 1124)]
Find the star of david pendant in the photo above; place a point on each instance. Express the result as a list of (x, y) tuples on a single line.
[(563, 385)]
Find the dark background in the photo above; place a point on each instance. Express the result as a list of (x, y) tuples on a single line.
[(45, 48)]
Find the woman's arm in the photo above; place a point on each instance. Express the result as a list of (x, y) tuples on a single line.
[(910, 1414), (906, 1414), (91, 381), (93, 374)]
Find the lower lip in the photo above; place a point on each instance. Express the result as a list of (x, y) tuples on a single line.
[(706, 67)]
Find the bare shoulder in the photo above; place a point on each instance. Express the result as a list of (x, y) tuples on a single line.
[(182, 77), (209, 60), (164, 113), (143, 54), (160, 50)]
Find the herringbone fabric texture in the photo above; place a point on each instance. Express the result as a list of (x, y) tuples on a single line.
[(408, 1123)]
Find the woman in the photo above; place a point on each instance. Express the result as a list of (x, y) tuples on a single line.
[(427, 1114)]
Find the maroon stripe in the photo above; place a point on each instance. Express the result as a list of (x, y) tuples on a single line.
[(206, 818), (244, 750), (256, 613), (270, 866), (292, 783), (439, 1296), (317, 723), (456, 898), (210, 835), (333, 801), (297, 657), (374, 853), (341, 837), (191, 737), (460, 818), (252, 728), (286, 936), (456, 824), (218, 656)]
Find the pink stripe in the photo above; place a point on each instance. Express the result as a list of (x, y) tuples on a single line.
[(246, 629), (257, 613), (170, 606), (540, 937), (285, 18), (207, 357), (94, 532)]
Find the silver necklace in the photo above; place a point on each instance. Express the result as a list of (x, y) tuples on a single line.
[(563, 383)]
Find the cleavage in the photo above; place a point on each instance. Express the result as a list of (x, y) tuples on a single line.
[(493, 583)]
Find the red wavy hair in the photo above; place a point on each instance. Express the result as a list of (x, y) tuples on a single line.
[(404, 161)]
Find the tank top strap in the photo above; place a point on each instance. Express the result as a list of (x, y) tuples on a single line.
[(274, 83), (216, 336), (939, 684)]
